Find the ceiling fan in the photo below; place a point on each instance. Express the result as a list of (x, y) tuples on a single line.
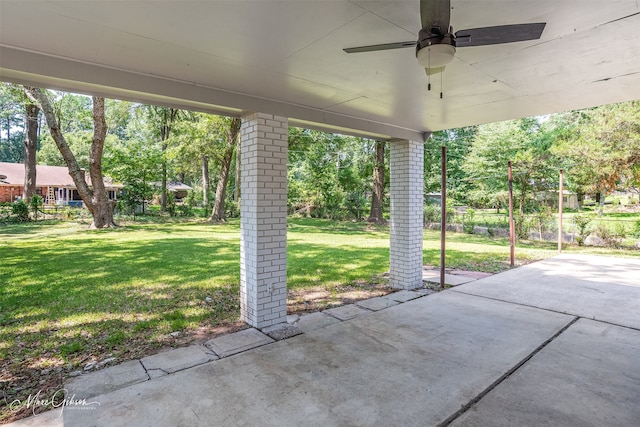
[(437, 43)]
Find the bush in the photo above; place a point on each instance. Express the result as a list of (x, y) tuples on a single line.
[(620, 230), (231, 208), (5, 211), (171, 203), (468, 223), (431, 213), (603, 232), (636, 229), (542, 219), (20, 211), (582, 223), (611, 237), (36, 205), (185, 210), (522, 226), (356, 205), (69, 213)]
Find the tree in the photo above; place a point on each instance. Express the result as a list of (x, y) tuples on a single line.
[(95, 199), (30, 149), (200, 149), (377, 195), (206, 183), (136, 164), (163, 120), (458, 142), (526, 145), (12, 123), (329, 175), (14, 104), (602, 151), (230, 127)]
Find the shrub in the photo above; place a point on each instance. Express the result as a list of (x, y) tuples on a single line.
[(636, 229), (611, 237), (602, 231), (620, 230), (232, 208), (185, 210), (69, 213), (468, 223), (20, 211), (582, 223), (5, 211), (431, 213), (36, 203), (542, 219), (522, 226), (356, 205), (171, 203)]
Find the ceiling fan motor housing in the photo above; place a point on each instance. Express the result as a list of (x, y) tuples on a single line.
[(435, 50)]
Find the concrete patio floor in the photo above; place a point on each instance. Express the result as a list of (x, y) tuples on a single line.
[(553, 343)]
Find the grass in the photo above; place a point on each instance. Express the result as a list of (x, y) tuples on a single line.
[(69, 295)]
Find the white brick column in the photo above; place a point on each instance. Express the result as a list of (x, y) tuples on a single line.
[(407, 172), (263, 220)]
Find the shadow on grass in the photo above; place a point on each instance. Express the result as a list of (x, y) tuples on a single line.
[(91, 267), (315, 264), (25, 229), (322, 226)]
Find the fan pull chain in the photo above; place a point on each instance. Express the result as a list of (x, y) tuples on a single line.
[(429, 74), (441, 89)]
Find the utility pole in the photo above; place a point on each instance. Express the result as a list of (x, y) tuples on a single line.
[(560, 206), (443, 215), (512, 226)]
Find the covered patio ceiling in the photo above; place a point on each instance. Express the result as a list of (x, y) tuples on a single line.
[(286, 58)]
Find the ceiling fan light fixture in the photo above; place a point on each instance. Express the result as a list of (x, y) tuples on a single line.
[(436, 55)]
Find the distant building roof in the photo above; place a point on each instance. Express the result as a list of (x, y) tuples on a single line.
[(46, 176), (178, 186)]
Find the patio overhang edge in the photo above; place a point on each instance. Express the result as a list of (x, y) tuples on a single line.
[(41, 70)]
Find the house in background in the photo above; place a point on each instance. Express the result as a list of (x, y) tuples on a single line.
[(179, 189), (569, 199), (53, 183)]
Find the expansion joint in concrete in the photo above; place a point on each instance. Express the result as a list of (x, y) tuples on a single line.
[(510, 372)]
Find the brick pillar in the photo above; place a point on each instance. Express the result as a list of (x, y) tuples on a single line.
[(407, 174), (263, 220)]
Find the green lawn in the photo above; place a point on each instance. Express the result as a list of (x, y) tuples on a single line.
[(69, 295)]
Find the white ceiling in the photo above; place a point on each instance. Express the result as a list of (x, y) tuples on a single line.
[(285, 57)]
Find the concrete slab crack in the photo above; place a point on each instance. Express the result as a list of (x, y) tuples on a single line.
[(145, 370), (510, 372)]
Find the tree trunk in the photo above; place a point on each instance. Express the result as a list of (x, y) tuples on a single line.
[(168, 117), (236, 193), (221, 189), (96, 200), (102, 206), (205, 181), (163, 189), (600, 200), (378, 185), (523, 197), (30, 148)]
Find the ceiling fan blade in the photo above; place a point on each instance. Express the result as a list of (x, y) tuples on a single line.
[(376, 47), (500, 34), (435, 14)]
